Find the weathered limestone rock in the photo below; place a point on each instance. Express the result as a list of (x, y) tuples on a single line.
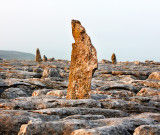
[(148, 92), (85, 117), (148, 83), (118, 86), (113, 58), (43, 102), (154, 76), (51, 72), (58, 93), (45, 58), (147, 130), (127, 106), (13, 93), (83, 63), (11, 120), (38, 55), (32, 104), (112, 126), (37, 70), (41, 92), (155, 116), (70, 111)]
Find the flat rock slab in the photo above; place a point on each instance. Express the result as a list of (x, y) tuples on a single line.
[(127, 106), (27, 103), (155, 116), (115, 93), (13, 93), (118, 86), (134, 73), (64, 112), (85, 117), (11, 120), (34, 103), (66, 127), (52, 128), (20, 74), (114, 126), (15, 81)]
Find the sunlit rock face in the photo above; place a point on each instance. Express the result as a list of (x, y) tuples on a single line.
[(83, 63)]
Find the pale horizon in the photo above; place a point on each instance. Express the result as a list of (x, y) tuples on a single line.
[(130, 29)]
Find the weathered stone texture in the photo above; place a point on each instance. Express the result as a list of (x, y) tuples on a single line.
[(83, 63), (148, 92), (147, 130), (154, 76)]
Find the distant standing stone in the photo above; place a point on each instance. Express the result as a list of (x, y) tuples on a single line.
[(45, 58), (113, 58), (83, 63), (38, 56)]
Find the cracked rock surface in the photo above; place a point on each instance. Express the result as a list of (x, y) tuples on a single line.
[(125, 99)]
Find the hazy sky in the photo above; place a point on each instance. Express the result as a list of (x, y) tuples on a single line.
[(128, 28)]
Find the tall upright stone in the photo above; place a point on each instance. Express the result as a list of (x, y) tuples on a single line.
[(113, 58), (38, 55), (83, 63)]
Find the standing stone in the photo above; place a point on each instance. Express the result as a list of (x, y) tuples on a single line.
[(113, 58), (38, 56), (45, 58), (83, 63)]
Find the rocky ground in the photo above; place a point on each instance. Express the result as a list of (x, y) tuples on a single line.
[(125, 99)]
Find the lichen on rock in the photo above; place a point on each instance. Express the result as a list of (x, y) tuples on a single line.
[(83, 63)]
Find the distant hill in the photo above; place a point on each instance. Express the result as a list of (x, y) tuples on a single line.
[(16, 55)]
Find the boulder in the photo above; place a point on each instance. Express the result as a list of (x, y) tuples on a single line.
[(51, 72), (147, 130), (13, 93), (154, 76)]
